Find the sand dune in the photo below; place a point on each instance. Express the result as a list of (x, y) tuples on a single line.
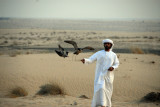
[(136, 76)]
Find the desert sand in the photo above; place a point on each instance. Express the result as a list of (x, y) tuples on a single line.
[(28, 60), (136, 76)]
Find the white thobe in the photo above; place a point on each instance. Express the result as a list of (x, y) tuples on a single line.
[(103, 83)]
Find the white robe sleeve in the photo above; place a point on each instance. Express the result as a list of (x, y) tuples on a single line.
[(91, 59), (116, 62)]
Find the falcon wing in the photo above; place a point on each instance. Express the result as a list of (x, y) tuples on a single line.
[(60, 48), (73, 43), (88, 47)]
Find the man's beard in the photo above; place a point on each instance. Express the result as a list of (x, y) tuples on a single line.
[(107, 48)]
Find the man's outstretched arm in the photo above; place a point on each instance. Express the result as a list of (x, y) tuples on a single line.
[(90, 59)]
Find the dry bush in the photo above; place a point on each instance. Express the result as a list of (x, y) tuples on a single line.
[(14, 53), (59, 39), (5, 42), (48, 39), (17, 92), (83, 96), (29, 42), (1, 53), (137, 51), (153, 62), (152, 97), (15, 43), (151, 37), (115, 37), (28, 53), (51, 89), (89, 38), (81, 38)]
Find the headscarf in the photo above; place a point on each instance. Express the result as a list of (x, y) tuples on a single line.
[(108, 41)]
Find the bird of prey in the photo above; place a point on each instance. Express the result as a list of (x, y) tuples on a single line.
[(61, 52), (77, 49)]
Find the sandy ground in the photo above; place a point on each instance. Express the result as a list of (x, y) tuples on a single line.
[(136, 76), (51, 38)]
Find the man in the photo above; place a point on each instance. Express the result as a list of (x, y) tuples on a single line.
[(107, 61)]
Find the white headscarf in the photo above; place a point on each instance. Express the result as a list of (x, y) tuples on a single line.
[(107, 41)]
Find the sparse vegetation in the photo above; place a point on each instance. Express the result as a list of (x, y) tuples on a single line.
[(89, 38), (14, 53), (152, 97), (5, 41), (137, 50), (145, 36), (51, 89), (29, 42), (15, 43), (83, 96), (81, 38), (153, 62), (151, 37), (1, 53), (27, 52), (59, 39), (17, 92), (115, 37), (48, 39)]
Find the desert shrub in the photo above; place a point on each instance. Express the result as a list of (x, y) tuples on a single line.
[(89, 38), (145, 36), (83, 96), (14, 53), (51, 89), (28, 52), (137, 51), (152, 97), (151, 37), (5, 41), (48, 39), (15, 43), (81, 38), (17, 92), (29, 42), (1, 53), (59, 39)]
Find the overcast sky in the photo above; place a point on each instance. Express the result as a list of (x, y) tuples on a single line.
[(81, 9)]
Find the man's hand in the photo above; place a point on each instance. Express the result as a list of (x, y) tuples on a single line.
[(83, 61), (111, 69)]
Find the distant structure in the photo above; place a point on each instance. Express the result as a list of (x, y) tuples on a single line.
[(61, 52)]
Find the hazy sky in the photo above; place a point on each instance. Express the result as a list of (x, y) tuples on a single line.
[(81, 9)]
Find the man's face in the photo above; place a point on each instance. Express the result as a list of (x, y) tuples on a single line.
[(107, 45)]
